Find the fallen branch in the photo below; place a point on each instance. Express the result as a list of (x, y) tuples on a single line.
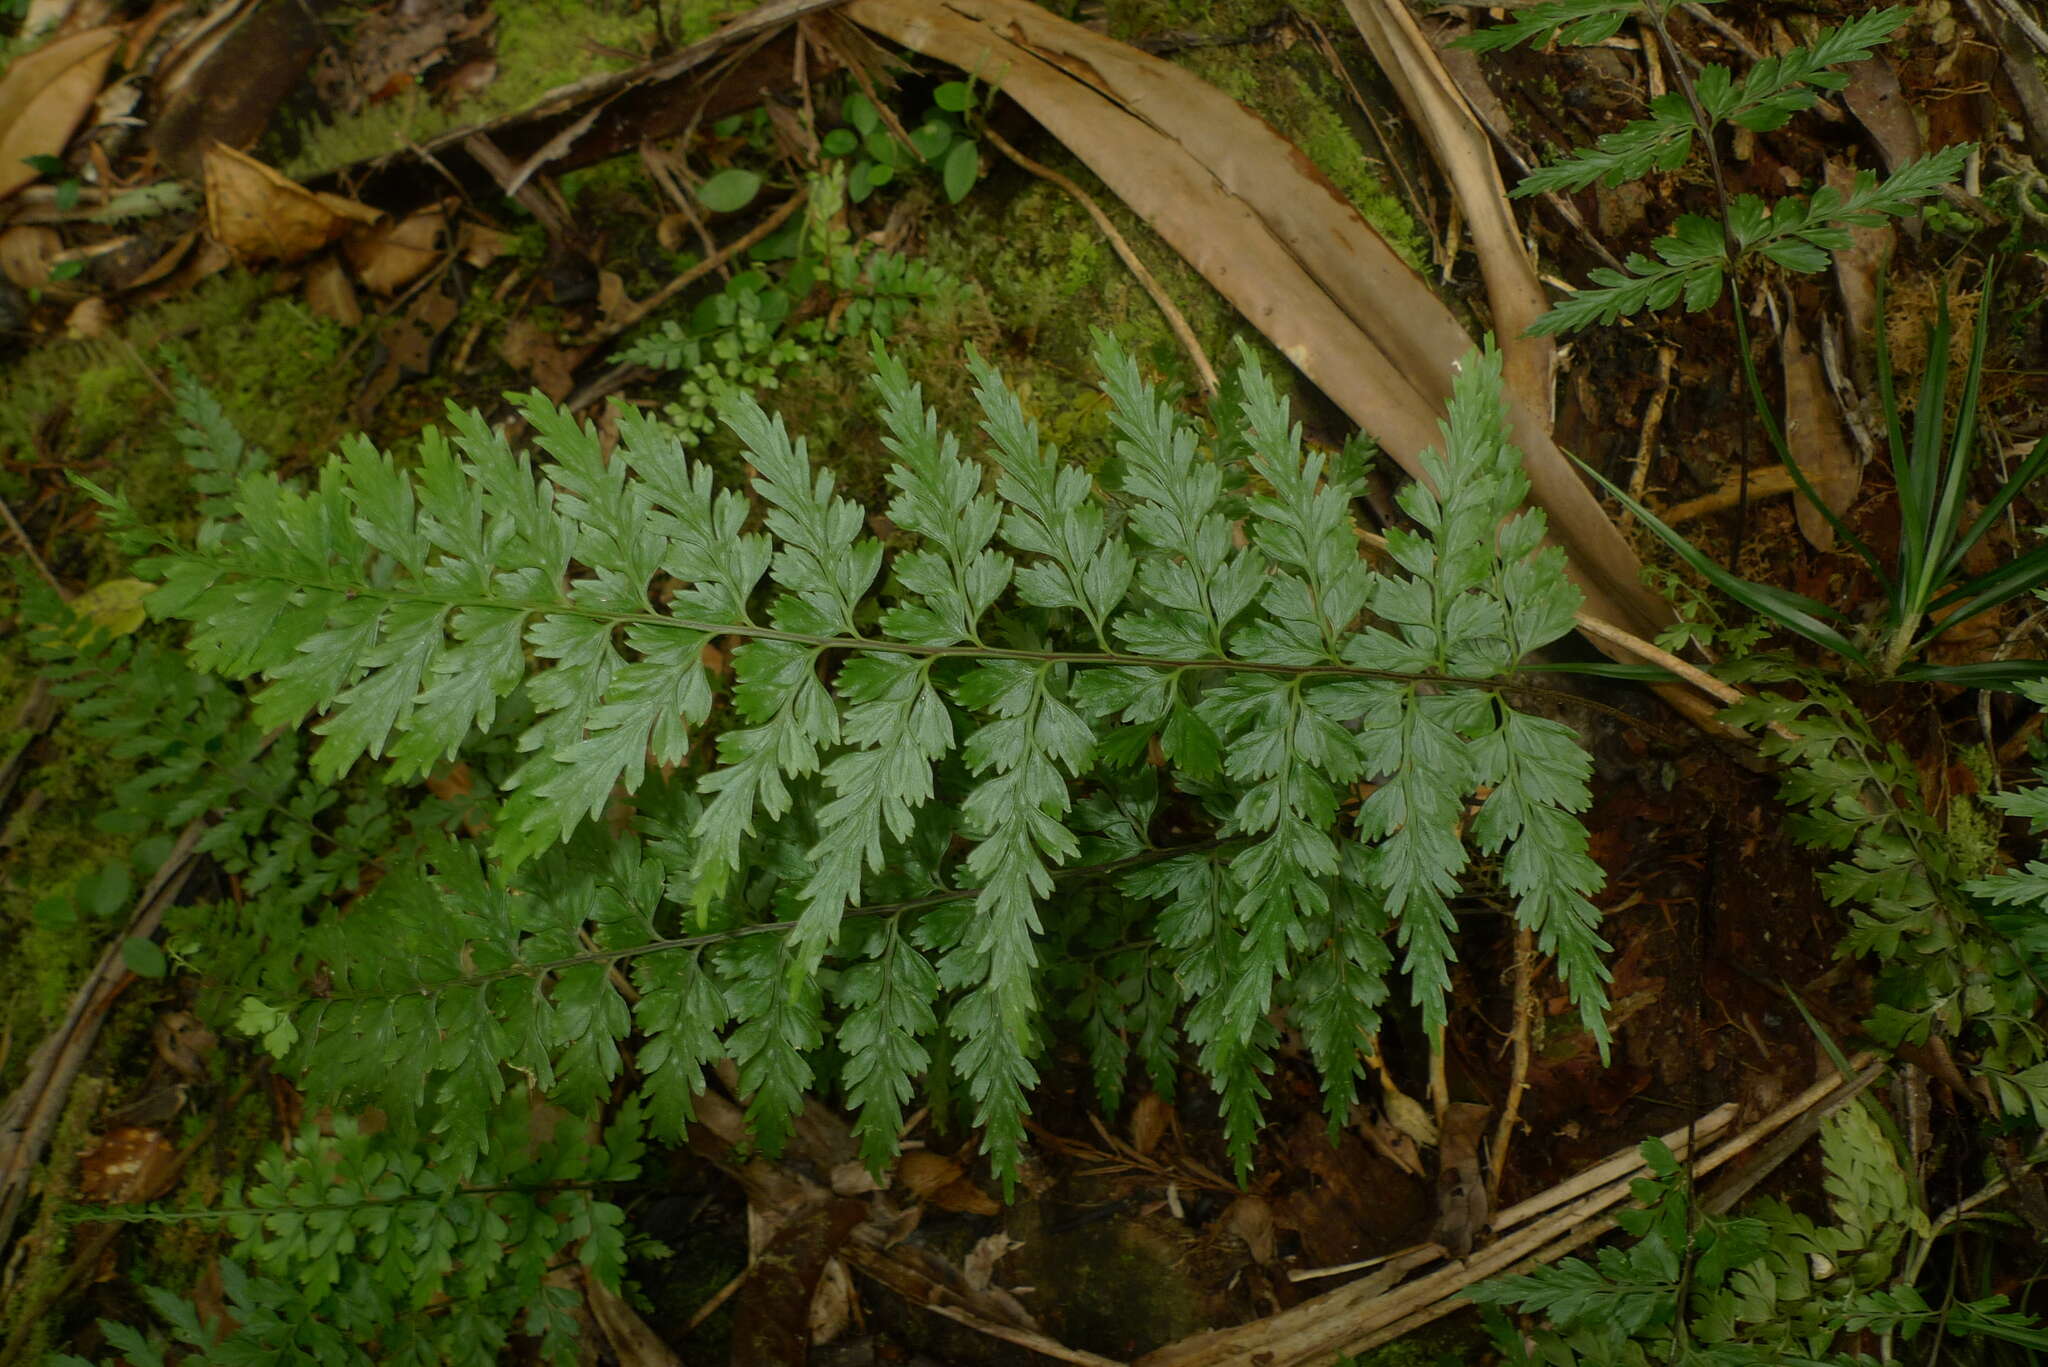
[(1361, 1316)]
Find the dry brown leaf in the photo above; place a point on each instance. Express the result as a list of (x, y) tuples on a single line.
[(1251, 213), (390, 256), (128, 1164), (1451, 128), (44, 95), (965, 1198), (922, 1172), (1150, 1119), (1813, 429), (88, 319), (1250, 1218), (331, 294), (479, 246), (632, 1342), (1857, 268), (980, 1267), (1461, 1191), (262, 215), (26, 253)]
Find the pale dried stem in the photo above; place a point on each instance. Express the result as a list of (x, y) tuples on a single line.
[(1518, 1081), (1769, 482), (28, 548), (1653, 418)]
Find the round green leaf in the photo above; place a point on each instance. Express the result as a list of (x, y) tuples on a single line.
[(730, 189), (953, 97), (861, 114), (839, 142), (861, 183), (962, 168), (881, 175), (931, 139), (884, 149), (145, 959)]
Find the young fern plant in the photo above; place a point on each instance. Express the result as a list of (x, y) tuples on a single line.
[(1696, 261), (1256, 754), (1926, 591)]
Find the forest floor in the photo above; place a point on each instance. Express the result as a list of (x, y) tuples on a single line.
[(139, 258)]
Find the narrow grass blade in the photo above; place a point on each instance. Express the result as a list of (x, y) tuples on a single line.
[(2006, 675), (1987, 591), (1793, 611)]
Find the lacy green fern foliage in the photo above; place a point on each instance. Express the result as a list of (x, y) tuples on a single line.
[(1693, 262), (1948, 965), (1768, 1288), (944, 717), (352, 1249), (743, 337)]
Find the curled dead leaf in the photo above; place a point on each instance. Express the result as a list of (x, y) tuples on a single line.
[(1150, 1118), (44, 95), (980, 1266), (263, 215), (390, 256), (1813, 429), (27, 251), (181, 1040), (922, 1173), (330, 293)]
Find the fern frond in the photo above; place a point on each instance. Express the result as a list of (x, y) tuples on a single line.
[(943, 723)]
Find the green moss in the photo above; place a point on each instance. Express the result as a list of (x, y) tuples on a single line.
[(88, 407), (31, 1284), (541, 44), (1129, 19), (1295, 92)]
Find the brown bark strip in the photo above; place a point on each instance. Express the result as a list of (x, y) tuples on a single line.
[(1245, 208)]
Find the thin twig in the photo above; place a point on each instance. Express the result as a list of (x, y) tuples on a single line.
[(753, 235), (1768, 482), (1653, 417), (1184, 334), (28, 548), (1518, 1081)]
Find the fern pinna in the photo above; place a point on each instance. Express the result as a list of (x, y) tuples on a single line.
[(1158, 742)]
